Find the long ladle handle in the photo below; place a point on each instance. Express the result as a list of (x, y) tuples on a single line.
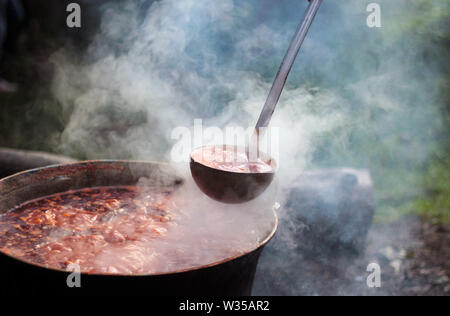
[(286, 65)]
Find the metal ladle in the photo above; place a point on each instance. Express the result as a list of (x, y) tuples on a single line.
[(239, 187)]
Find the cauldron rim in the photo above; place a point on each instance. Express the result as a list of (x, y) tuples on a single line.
[(196, 268)]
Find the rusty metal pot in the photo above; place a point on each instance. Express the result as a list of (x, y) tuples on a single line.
[(232, 276)]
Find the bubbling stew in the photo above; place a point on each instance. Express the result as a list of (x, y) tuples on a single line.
[(111, 230)]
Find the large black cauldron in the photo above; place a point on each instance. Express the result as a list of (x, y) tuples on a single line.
[(233, 276)]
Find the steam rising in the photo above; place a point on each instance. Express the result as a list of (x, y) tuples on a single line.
[(148, 72), (207, 232), (201, 233), (144, 78)]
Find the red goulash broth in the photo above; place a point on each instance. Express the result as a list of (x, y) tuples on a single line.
[(113, 230), (228, 159)]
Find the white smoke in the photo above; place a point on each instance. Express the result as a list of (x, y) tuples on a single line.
[(146, 70)]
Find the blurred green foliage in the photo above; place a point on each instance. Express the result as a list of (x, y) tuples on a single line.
[(427, 23)]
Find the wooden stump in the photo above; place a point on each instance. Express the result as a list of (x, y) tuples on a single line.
[(323, 226), (331, 209)]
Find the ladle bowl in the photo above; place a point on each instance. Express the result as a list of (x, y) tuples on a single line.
[(228, 186)]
